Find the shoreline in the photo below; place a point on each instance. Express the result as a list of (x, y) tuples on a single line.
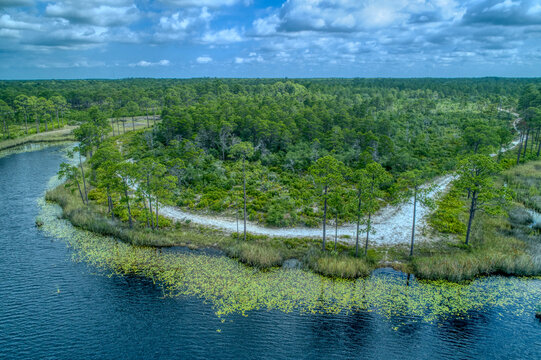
[(64, 134), (270, 252)]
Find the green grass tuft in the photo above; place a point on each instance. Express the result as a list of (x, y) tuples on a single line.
[(255, 254), (339, 265)]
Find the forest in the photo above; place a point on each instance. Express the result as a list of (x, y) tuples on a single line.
[(284, 152)]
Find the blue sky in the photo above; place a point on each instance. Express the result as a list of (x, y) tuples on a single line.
[(250, 38)]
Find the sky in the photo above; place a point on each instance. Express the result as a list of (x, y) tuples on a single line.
[(251, 38)]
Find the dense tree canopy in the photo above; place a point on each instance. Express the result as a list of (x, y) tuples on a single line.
[(288, 126)]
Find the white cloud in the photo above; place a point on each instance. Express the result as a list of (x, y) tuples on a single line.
[(534, 10), (181, 24), (203, 59), (349, 15), (225, 36), (199, 3), (95, 12), (505, 5), (144, 63), (76, 64), (10, 33), (266, 26), (6, 22), (252, 57), (377, 15)]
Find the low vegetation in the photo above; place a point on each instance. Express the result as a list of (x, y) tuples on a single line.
[(340, 265), (255, 254), (302, 152), (508, 243), (93, 218), (65, 134)]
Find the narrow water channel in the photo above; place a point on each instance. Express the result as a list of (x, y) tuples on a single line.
[(54, 308)]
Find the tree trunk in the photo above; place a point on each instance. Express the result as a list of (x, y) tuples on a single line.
[(151, 212), (112, 208), (526, 142), (84, 180), (369, 220), (157, 215), (472, 214), (538, 148), (148, 214), (324, 216), (237, 217), (57, 119), (148, 121), (532, 143), (413, 226), (128, 203), (367, 233), (108, 200), (25, 122), (133, 122), (80, 192), (520, 148), (358, 225), (113, 126), (335, 230), (244, 190), (4, 128), (37, 124), (150, 202), (124, 125)]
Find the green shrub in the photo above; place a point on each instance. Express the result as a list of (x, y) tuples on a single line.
[(281, 213), (446, 217)]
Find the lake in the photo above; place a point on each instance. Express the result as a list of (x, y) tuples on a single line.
[(52, 307)]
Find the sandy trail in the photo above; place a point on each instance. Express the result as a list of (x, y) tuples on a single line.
[(392, 224)]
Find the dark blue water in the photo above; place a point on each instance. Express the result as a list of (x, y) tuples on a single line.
[(53, 308)]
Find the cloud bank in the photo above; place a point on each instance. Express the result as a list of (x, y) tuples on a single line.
[(288, 38)]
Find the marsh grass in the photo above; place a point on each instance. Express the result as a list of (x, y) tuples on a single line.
[(92, 218), (497, 248), (336, 265), (256, 254), (525, 180), (64, 134)]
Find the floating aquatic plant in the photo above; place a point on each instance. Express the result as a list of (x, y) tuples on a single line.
[(233, 288)]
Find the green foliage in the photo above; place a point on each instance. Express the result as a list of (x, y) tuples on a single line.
[(447, 216), (282, 213), (281, 128)]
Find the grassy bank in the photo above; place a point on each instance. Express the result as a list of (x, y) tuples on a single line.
[(507, 245), (93, 217), (496, 249), (258, 251), (64, 134)]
